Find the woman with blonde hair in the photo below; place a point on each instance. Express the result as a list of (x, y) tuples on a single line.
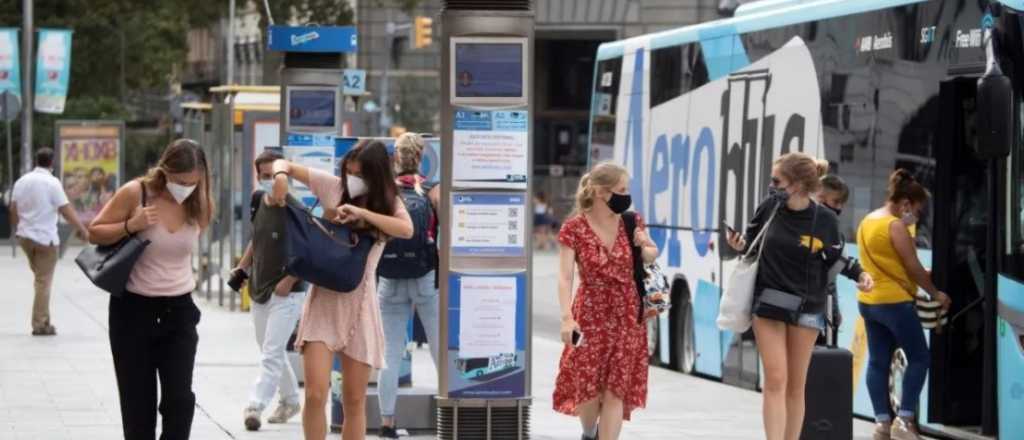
[(407, 274), (800, 242), (153, 324), (886, 241), (602, 375)]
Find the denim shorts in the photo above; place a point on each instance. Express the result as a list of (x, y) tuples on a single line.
[(814, 321)]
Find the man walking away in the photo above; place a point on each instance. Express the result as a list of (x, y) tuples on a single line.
[(277, 302), (38, 197)]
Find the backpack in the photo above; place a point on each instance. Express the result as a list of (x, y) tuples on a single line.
[(417, 256), (254, 204)]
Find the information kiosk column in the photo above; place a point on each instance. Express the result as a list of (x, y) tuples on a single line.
[(486, 222), (312, 80)]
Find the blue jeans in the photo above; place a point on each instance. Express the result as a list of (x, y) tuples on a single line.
[(891, 326), (397, 299), (275, 321)]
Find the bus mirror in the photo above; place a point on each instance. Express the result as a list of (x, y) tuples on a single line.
[(994, 118), (994, 104)]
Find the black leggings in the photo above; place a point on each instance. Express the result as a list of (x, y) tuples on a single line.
[(150, 338)]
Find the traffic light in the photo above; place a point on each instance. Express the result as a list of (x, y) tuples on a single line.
[(422, 32)]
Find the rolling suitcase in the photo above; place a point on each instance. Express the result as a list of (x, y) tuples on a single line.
[(829, 392)]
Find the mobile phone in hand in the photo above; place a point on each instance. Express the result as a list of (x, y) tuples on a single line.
[(577, 338)]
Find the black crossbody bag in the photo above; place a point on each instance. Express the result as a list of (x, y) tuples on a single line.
[(784, 306), (108, 266)]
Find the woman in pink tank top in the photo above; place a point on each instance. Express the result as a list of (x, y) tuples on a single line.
[(153, 325), (346, 324)]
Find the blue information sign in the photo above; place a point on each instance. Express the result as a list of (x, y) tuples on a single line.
[(342, 39)]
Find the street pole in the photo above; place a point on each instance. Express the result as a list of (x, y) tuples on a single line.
[(10, 169), (385, 115), (27, 35), (231, 42)]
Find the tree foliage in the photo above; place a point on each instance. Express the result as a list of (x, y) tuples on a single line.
[(154, 35), (322, 12)]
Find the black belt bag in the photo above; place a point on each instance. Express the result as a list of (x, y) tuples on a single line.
[(778, 306)]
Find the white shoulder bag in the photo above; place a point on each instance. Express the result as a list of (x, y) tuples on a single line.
[(734, 313)]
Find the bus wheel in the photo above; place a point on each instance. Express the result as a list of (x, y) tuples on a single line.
[(897, 369), (683, 350)]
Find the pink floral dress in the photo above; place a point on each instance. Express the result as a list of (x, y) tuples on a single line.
[(613, 356)]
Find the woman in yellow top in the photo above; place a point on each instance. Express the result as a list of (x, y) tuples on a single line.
[(888, 253)]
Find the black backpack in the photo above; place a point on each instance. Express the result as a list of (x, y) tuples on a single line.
[(416, 256)]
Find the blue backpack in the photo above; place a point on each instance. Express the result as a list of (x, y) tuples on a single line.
[(417, 256)]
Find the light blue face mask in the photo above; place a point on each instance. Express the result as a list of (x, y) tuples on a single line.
[(267, 186)]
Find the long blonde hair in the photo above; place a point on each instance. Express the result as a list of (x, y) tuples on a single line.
[(604, 175), (408, 156)]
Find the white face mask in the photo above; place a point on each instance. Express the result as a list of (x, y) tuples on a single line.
[(356, 186), (180, 192), (909, 218), (267, 185)]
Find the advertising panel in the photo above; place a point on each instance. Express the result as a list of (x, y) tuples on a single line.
[(90, 164), (10, 77), (53, 69), (487, 335)]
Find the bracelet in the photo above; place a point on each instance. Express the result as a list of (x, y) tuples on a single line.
[(281, 172)]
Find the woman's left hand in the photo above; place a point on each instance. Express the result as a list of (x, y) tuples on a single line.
[(349, 214), (865, 283), (641, 239)]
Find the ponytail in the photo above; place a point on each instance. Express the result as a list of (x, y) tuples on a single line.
[(604, 175), (903, 186)]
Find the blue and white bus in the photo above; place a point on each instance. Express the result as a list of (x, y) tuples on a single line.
[(698, 113)]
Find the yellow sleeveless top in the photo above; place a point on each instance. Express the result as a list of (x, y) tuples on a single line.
[(893, 285)]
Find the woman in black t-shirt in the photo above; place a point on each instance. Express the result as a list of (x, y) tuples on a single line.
[(802, 241)]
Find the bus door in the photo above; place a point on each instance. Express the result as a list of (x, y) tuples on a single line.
[(960, 213)]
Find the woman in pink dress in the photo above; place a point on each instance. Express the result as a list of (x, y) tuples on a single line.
[(603, 378), (346, 324)]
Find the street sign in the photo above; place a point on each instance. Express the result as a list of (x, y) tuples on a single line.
[(354, 83), (337, 39), (10, 106)]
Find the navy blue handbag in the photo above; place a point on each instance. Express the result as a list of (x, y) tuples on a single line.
[(324, 253)]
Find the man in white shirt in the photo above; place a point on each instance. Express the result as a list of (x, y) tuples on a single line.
[(38, 197)]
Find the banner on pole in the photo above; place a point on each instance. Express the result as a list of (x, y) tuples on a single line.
[(53, 69), (90, 163), (10, 75)]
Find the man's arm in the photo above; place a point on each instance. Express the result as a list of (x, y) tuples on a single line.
[(68, 212)]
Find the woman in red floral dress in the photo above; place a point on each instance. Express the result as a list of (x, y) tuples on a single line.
[(604, 378)]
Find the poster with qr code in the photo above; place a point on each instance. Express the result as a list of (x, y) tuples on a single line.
[(488, 224)]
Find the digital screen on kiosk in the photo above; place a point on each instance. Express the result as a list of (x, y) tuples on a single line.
[(488, 70), (312, 108)]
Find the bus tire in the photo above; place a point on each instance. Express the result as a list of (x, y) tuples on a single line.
[(683, 350), (897, 369)]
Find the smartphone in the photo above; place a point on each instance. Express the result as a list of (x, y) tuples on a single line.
[(577, 338), (728, 227)]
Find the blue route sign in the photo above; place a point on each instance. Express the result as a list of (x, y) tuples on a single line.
[(340, 39)]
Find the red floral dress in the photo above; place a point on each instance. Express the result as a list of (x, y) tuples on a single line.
[(613, 356)]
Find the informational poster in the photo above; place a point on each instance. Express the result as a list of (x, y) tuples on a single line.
[(488, 224), (316, 151), (90, 164), (491, 148), (487, 360), (53, 70), (266, 134), (488, 319), (10, 76)]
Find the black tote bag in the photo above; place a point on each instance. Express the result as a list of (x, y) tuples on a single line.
[(324, 253), (108, 266)]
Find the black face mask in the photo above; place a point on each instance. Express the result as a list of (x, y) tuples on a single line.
[(835, 210), (778, 194), (619, 203)]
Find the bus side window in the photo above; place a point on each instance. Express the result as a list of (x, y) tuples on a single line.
[(1014, 244)]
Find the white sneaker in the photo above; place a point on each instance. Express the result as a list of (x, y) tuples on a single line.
[(252, 419), (284, 412)]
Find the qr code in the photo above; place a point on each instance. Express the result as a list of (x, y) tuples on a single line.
[(513, 225), (513, 212), (513, 239)]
